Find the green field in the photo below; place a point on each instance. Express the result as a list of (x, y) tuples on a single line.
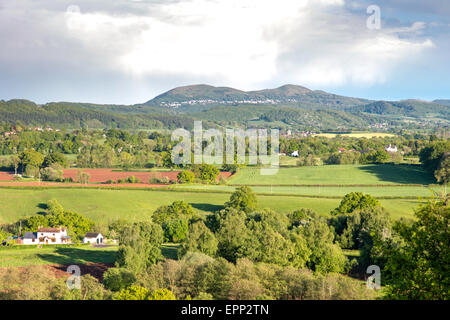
[(138, 205), (386, 192), (337, 175), (56, 256), (284, 192), (28, 256)]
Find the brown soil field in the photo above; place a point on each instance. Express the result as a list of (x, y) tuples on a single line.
[(6, 176), (94, 269), (101, 176)]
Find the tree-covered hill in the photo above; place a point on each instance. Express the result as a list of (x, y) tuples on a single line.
[(410, 108), (286, 106), (286, 95), (69, 115)]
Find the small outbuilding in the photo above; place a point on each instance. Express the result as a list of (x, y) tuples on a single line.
[(94, 238)]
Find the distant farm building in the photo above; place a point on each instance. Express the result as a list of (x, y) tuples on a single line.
[(94, 238), (391, 148)]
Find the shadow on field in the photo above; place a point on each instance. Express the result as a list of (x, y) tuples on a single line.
[(66, 256), (42, 206), (206, 207), (400, 173)]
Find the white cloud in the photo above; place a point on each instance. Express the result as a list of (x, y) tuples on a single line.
[(246, 42), (243, 43)]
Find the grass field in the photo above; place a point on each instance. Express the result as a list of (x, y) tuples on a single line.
[(337, 174), (138, 205), (56, 256), (329, 191), (387, 182), (65, 256)]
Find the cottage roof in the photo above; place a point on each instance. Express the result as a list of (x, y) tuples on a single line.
[(29, 235), (92, 235), (52, 230)]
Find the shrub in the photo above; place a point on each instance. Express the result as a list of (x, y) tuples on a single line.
[(116, 279), (186, 177)]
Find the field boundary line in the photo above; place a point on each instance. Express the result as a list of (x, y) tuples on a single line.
[(208, 191), (336, 185)]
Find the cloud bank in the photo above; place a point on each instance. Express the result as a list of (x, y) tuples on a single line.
[(147, 46)]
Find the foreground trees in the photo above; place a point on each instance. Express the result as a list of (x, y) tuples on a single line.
[(140, 245), (243, 199), (418, 257)]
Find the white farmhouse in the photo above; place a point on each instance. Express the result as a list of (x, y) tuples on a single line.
[(47, 236), (94, 238), (391, 148)]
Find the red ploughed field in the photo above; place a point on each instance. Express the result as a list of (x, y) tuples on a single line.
[(103, 175), (6, 176)]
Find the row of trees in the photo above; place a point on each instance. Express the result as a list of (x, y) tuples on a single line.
[(242, 235), (54, 216), (242, 252)]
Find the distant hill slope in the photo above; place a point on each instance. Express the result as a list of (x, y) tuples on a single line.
[(76, 115), (286, 95), (286, 106), (410, 108), (442, 102)]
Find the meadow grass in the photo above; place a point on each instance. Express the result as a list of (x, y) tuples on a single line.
[(66, 256), (329, 192), (138, 205), (56, 256), (337, 175)]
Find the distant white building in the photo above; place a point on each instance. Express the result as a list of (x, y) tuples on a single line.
[(47, 236), (94, 238), (295, 154), (391, 148)]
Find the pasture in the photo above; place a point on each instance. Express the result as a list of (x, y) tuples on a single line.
[(79, 255), (398, 187), (105, 205), (337, 175), (22, 257)]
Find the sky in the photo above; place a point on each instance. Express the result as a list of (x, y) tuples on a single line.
[(129, 51)]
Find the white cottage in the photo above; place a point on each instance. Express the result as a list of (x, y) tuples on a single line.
[(391, 148), (47, 236), (94, 238)]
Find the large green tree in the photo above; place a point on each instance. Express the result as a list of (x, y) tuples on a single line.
[(431, 155), (199, 239), (419, 261), (355, 201), (243, 199), (442, 172), (140, 246), (31, 158)]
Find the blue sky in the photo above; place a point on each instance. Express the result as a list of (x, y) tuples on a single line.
[(128, 51)]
